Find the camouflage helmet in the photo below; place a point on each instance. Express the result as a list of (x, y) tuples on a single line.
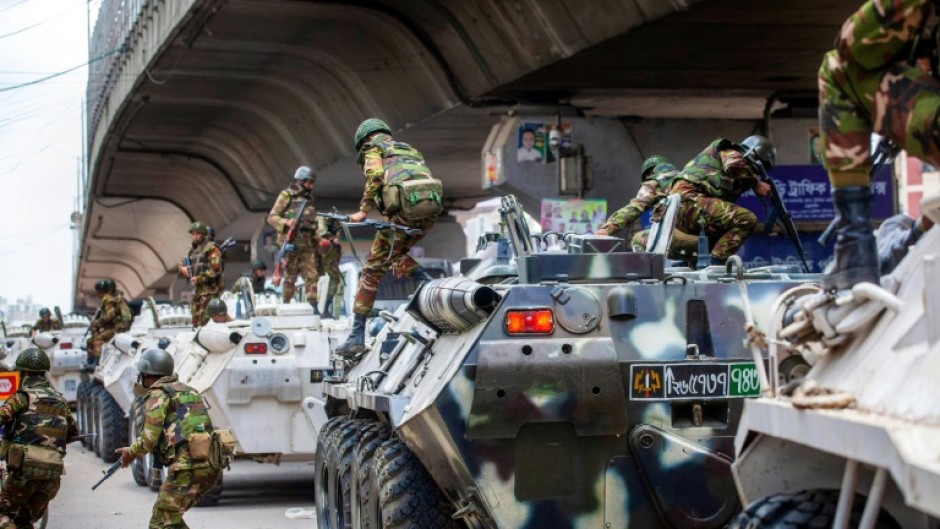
[(216, 307), (155, 362), (305, 173), (647, 168), (199, 227), (43, 312), (369, 126), (759, 148), (258, 264), (32, 359)]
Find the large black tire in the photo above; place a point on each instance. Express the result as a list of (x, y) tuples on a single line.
[(806, 509), (365, 512), (324, 474), (213, 496), (81, 398), (135, 424), (112, 426), (408, 497), (340, 456), (92, 417)]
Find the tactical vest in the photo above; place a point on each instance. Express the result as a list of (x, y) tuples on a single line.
[(707, 173), (296, 195), (409, 189), (44, 421), (184, 413)]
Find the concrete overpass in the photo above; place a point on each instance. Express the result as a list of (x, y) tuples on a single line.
[(202, 109)]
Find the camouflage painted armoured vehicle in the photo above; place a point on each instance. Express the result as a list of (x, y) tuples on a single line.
[(572, 387), (857, 443)]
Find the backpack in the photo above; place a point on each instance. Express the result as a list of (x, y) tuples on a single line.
[(409, 190)]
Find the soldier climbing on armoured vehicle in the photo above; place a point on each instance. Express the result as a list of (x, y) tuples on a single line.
[(46, 322), (399, 183), (203, 267), (178, 431), (658, 175), (710, 184), (293, 216), (113, 316), (38, 424)]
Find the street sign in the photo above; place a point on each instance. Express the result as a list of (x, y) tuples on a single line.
[(9, 382)]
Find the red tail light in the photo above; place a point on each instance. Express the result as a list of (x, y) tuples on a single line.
[(530, 321), (65, 345), (256, 348)]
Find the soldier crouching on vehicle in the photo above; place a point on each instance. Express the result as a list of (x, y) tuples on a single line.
[(113, 316), (36, 417), (204, 271), (46, 322), (658, 175), (174, 415)]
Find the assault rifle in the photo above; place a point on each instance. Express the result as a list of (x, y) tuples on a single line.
[(228, 243), (90, 323), (377, 224), (108, 473), (188, 265), (287, 247), (58, 314), (777, 212)]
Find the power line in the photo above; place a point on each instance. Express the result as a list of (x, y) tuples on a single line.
[(63, 72), (37, 24)]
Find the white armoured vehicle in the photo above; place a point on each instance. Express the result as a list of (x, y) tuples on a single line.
[(857, 443)]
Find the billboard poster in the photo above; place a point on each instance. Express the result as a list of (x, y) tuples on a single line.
[(578, 216), (532, 144)]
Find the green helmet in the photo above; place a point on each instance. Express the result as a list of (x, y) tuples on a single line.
[(43, 312), (646, 170), (304, 173), (760, 149), (32, 359), (199, 227), (215, 307), (368, 127), (105, 286), (155, 362), (258, 264)]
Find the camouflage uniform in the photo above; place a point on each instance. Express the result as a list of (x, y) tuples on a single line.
[(172, 412), (34, 415), (329, 256), (651, 192), (46, 326), (303, 260), (115, 317), (866, 85), (206, 259), (709, 185), (389, 248)]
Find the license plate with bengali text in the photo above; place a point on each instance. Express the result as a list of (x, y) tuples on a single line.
[(693, 381)]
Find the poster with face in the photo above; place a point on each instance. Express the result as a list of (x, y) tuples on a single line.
[(533, 145), (579, 216)]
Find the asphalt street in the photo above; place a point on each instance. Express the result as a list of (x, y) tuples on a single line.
[(255, 496)]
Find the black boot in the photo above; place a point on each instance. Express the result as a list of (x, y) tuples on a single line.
[(328, 309), (855, 257), (356, 342), (316, 311)]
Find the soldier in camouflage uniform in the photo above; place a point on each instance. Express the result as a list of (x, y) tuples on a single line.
[(303, 260), (36, 415), (207, 271), (877, 79), (381, 156), (710, 184), (173, 413), (658, 175), (46, 322), (329, 253), (113, 316)]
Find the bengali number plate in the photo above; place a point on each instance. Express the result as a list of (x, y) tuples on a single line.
[(693, 381)]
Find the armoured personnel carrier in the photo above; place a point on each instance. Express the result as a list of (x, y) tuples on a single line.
[(16, 339), (64, 348), (857, 443), (562, 382)]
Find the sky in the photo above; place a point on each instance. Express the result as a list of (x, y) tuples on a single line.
[(40, 144)]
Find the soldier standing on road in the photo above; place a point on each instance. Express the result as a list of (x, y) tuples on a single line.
[(384, 161), (283, 216), (330, 251), (877, 79), (38, 417), (206, 274), (658, 175), (113, 316), (173, 413), (259, 276), (46, 322), (712, 182)]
